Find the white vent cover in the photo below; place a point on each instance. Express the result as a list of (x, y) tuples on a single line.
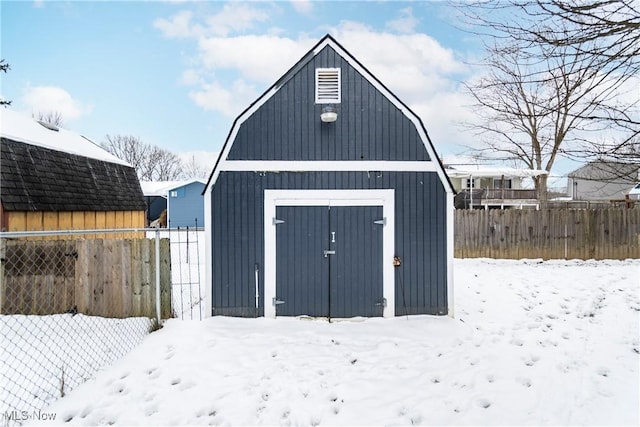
[(327, 85)]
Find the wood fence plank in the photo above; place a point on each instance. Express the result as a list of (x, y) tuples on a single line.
[(165, 278), (97, 278), (548, 234), (126, 290), (147, 275), (136, 277), (113, 278)]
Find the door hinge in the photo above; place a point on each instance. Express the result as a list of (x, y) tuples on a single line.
[(277, 221), (275, 301), (382, 303), (382, 221), (326, 253)]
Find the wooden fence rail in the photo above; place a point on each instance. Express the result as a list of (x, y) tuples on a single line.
[(100, 277), (548, 234)]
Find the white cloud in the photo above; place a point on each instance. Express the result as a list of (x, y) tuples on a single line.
[(235, 17), (302, 6), (190, 77), (229, 101), (259, 58), (232, 18), (54, 99), (179, 25), (406, 23), (230, 72), (442, 115)]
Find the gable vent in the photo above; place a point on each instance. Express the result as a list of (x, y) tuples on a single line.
[(327, 85)]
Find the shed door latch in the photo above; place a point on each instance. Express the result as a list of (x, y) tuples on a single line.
[(327, 253), (275, 301)]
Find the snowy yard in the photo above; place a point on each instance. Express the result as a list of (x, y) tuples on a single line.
[(535, 343)]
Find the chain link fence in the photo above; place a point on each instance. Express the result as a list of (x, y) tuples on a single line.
[(72, 303)]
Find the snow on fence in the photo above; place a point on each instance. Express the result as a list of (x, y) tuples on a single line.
[(548, 234), (71, 304)]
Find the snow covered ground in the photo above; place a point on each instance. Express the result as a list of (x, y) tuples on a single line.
[(44, 357), (533, 343)]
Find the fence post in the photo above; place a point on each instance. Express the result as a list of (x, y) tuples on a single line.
[(566, 240), (158, 312)]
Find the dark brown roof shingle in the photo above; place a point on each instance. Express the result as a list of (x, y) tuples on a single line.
[(35, 178)]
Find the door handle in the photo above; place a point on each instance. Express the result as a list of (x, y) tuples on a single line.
[(327, 253)]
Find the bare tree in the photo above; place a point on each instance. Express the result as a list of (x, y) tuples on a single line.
[(195, 169), (151, 162), (50, 117), (547, 92), (4, 67), (608, 31), (166, 165)]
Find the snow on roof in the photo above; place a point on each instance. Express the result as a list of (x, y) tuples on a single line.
[(18, 127), (156, 188), (480, 171), (161, 188)]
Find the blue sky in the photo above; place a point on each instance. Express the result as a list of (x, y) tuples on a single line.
[(176, 73)]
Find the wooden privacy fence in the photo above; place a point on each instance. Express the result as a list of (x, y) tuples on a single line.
[(548, 234), (100, 277)]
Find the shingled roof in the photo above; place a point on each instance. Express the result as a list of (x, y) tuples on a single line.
[(34, 177)]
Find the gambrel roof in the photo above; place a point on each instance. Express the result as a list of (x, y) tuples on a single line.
[(39, 172), (378, 154)]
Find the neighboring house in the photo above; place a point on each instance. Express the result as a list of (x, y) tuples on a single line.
[(54, 179), (481, 186), (322, 181), (185, 204), (182, 200), (155, 196), (603, 181)]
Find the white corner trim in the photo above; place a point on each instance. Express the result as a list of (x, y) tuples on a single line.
[(333, 166), (208, 252), (450, 253), (384, 198)]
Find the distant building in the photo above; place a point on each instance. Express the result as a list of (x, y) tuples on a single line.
[(483, 186), (182, 200), (602, 180), (54, 179)]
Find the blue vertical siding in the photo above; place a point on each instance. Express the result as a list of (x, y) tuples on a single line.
[(288, 127), (238, 234), (186, 208)]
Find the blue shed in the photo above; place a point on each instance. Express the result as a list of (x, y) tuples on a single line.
[(328, 200), (185, 204)]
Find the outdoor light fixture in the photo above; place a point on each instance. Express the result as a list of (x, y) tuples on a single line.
[(329, 114)]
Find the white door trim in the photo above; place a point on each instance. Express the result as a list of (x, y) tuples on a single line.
[(384, 198)]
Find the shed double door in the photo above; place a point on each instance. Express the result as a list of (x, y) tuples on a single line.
[(329, 261)]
